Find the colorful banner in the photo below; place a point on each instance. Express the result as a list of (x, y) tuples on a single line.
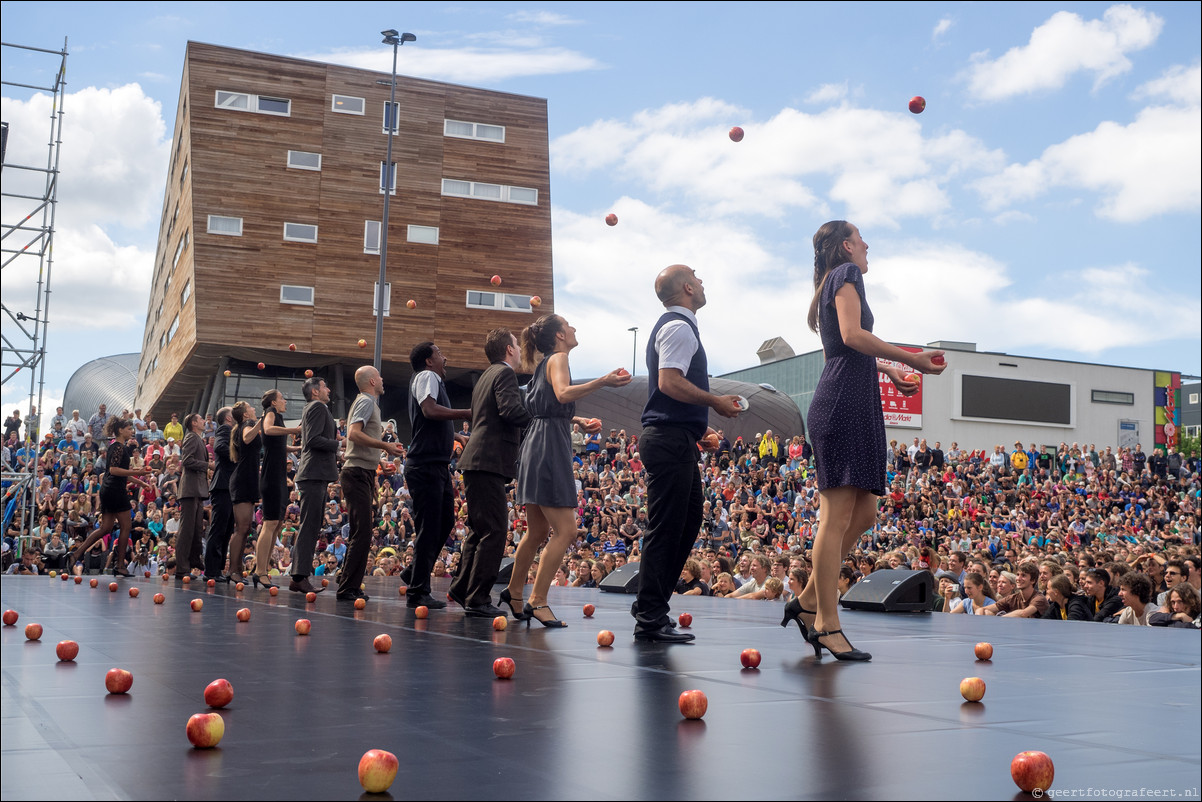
[(1166, 404), (901, 411)]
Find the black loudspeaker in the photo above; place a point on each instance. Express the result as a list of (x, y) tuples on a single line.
[(622, 580), (506, 571), (892, 592)]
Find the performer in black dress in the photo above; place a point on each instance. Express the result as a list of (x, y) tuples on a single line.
[(846, 426), (273, 480), (114, 497), (244, 482), (545, 482)]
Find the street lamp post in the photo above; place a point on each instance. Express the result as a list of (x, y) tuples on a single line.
[(391, 37), (634, 350)]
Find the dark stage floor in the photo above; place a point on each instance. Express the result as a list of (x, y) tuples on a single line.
[(1116, 707)]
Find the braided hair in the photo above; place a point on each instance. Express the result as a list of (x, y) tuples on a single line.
[(828, 254)]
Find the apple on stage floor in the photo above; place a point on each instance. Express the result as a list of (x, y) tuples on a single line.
[(377, 770), (196, 605), (983, 651), (303, 626), (133, 593), (605, 638), (78, 580), (589, 609), (118, 680), (360, 604), (243, 615), (159, 598), (685, 620), (94, 582), (972, 688), (421, 612), (219, 693), (238, 587), (383, 643), (750, 658), (310, 597), (325, 583), (1032, 770), (212, 583), (500, 623), (504, 667), (273, 591), (33, 631), (693, 704), (10, 618), (113, 587), (66, 650), (205, 730)]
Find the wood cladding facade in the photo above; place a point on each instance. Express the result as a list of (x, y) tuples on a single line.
[(236, 166)]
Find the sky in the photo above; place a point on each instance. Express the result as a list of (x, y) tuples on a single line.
[(1046, 203)]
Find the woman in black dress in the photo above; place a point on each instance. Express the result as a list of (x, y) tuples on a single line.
[(115, 507), (273, 480), (846, 425), (244, 481)]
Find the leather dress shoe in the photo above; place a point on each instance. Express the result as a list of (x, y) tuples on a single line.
[(483, 611), (425, 600), (303, 585), (354, 594), (664, 634)]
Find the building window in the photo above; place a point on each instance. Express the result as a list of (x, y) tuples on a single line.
[(375, 306), (179, 251), (159, 313), (295, 294), (392, 187), (300, 232), (423, 235), (467, 130), (457, 188), (242, 101), (184, 173), (498, 300), (345, 104), (186, 294), (162, 339), (392, 114), (304, 160), (371, 236), (226, 226), (1193, 398), (173, 329), (1112, 397)]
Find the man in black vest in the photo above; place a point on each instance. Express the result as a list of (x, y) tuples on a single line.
[(427, 468), (674, 420), (489, 463), (221, 509), (318, 467)]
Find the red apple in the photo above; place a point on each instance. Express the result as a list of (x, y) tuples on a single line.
[(79, 580), (212, 583), (291, 346), (972, 688), (589, 609), (186, 579), (310, 597), (205, 730), (308, 373), (165, 577), (274, 590), (303, 626), (736, 134), (938, 359), (113, 587), (362, 343), (1032, 770), (133, 593), (383, 643), (118, 680), (360, 604), (499, 623), (196, 605), (605, 638), (243, 615), (239, 587), (412, 304), (146, 574), (229, 373), (623, 372), (917, 104), (93, 582), (536, 301), (325, 583), (421, 612), (66, 650), (611, 219), (983, 651), (913, 377), (10, 618), (693, 704), (33, 631), (504, 667), (402, 590), (750, 658), (159, 598), (219, 693), (377, 770), (262, 366), (496, 281), (65, 577), (685, 620)]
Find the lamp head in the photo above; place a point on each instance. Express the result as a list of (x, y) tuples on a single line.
[(408, 37)]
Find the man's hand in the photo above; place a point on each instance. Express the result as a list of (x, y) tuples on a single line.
[(727, 406)]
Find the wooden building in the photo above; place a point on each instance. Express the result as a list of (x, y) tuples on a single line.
[(270, 235)]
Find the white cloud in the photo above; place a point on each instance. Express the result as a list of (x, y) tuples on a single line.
[(943, 26), (1150, 167), (877, 164), (473, 65), (1180, 85), (541, 18), (1063, 46), (828, 93)]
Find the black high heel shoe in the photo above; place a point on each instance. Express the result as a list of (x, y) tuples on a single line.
[(266, 583), (507, 599), (851, 653), (793, 612), (121, 573), (528, 611)]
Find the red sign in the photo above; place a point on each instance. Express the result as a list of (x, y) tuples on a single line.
[(902, 411)]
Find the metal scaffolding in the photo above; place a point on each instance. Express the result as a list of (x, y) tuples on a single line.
[(27, 261)]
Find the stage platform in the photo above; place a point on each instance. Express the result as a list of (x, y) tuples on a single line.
[(1115, 707)]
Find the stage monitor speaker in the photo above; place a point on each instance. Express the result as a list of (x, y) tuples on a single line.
[(892, 592), (506, 571), (622, 580)]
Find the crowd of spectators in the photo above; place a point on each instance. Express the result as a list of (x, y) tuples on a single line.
[(1070, 533)]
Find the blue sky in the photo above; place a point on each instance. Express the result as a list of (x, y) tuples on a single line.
[(1046, 203)]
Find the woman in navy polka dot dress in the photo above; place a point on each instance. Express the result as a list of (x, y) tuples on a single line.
[(846, 425)]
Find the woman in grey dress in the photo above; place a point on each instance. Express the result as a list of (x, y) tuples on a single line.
[(545, 481)]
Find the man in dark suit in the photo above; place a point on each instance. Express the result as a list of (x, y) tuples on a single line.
[(221, 509), (489, 463), (318, 467), (193, 490)]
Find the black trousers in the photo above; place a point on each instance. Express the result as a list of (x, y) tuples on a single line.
[(433, 516), (674, 504), (312, 515), (484, 546), (188, 553), (358, 491), (221, 526)]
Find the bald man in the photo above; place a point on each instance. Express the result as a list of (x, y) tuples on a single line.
[(674, 420), (358, 478)]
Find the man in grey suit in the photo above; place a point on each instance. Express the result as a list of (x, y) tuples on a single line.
[(318, 467), (193, 490), (221, 509), (489, 463)]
